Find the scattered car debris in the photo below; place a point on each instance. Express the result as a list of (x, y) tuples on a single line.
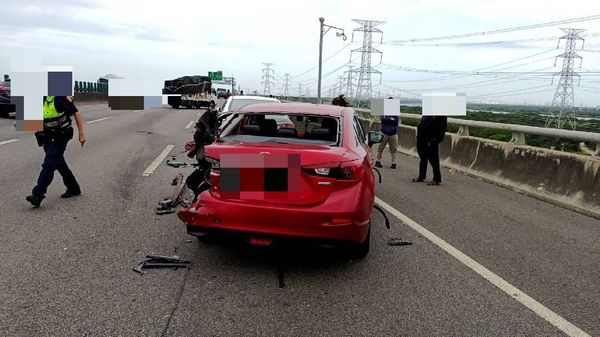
[(387, 221), (378, 173), (176, 164), (158, 261), (398, 242), (167, 205)]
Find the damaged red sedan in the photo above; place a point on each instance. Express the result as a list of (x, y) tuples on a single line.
[(308, 179)]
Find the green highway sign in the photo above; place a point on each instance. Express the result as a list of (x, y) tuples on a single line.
[(215, 75)]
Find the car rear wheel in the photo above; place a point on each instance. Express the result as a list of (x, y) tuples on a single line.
[(359, 251)]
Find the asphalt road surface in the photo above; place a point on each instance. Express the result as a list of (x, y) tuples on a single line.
[(66, 268)]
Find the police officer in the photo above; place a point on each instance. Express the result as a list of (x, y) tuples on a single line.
[(54, 138), (430, 132)]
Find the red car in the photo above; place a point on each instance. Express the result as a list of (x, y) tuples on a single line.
[(312, 181)]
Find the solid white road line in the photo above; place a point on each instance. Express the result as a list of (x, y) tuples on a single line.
[(158, 160), (8, 141), (189, 125), (535, 306), (98, 120)]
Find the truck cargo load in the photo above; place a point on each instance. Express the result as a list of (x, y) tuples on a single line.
[(195, 92)]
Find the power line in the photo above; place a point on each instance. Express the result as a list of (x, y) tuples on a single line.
[(501, 93), (485, 73), (325, 60), (482, 43), (496, 31), (453, 77), (514, 94)]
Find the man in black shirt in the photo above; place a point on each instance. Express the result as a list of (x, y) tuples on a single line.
[(57, 133), (430, 132)]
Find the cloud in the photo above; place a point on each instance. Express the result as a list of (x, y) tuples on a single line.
[(68, 17)]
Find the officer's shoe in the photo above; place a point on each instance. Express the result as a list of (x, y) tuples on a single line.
[(394, 165), (70, 193), (378, 164), (34, 200)]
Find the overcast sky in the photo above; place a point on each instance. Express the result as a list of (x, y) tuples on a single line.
[(167, 39)]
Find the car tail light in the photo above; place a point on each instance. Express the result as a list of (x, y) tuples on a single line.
[(323, 171), (344, 171), (2, 89)]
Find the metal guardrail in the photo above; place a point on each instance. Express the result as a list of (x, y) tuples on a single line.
[(519, 131)]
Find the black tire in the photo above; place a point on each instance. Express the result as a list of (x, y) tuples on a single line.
[(359, 251), (175, 106)]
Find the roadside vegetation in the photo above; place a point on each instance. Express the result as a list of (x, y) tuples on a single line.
[(523, 115)]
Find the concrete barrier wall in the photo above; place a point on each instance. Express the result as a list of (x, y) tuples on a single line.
[(83, 98), (567, 179)]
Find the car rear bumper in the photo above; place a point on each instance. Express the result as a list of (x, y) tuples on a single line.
[(339, 218)]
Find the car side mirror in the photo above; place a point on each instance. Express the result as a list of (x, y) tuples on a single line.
[(375, 138)]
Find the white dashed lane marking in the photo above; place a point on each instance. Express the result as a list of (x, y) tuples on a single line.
[(8, 141), (98, 120), (152, 167)]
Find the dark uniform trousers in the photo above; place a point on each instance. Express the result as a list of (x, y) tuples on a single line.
[(54, 161), (428, 151)]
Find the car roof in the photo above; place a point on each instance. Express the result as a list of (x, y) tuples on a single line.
[(258, 98), (314, 109)]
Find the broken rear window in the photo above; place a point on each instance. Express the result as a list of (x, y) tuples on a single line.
[(283, 128)]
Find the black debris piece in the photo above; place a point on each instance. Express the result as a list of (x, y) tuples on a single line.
[(168, 205), (164, 211), (378, 173), (387, 221), (175, 163), (158, 261), (398, 242)]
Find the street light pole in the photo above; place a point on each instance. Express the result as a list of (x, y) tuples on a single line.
[(322, 33)]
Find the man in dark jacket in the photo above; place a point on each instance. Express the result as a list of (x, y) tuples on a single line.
[(430, 132), (389, 128)]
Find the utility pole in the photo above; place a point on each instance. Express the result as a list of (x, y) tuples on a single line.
[(267, 76), (364, 87), (286, 85), (339, 32), (562, 111), (299, 91)]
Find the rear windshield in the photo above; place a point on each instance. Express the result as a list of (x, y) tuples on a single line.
[(238, 103), (282, 128)]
